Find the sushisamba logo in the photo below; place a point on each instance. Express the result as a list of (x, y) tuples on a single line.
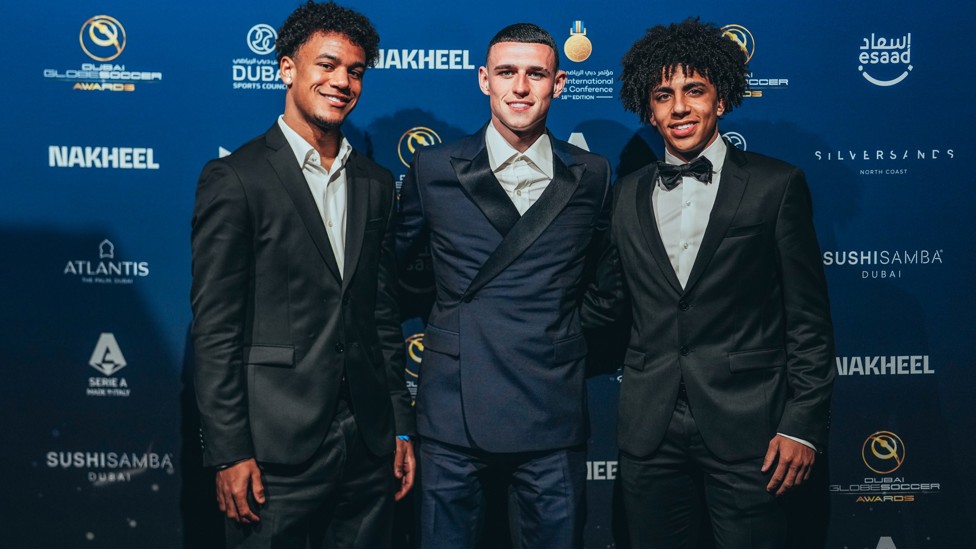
[(110, 467), (103, 39), (105, 268), (757, 84), (258, 72), (884, 453), (889, 263), (885, 61)]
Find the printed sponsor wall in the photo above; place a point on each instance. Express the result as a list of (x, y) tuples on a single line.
[(113, 107)]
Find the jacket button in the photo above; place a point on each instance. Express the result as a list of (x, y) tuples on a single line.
[(345, 299), (339, 347), (683, 305), (684, 351)]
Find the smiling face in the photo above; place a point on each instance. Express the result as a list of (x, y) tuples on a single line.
[(324, 79), (685, 111), (521, 81)]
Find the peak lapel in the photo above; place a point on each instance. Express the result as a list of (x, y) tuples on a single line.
[(565, 180), (648, 225), (479, 183), (731, 186), (282, 159)]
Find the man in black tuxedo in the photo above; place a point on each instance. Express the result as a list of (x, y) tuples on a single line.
[(728, 373), (296, 330), (510, 214)]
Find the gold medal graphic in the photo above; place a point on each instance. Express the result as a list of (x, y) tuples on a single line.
[(577, 47)]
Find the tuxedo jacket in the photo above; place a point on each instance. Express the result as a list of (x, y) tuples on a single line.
[(275, 326), (750, 333), (503, 349)]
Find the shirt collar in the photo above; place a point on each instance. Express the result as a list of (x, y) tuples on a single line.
[(305, 153), (501, 152), (715, 153)]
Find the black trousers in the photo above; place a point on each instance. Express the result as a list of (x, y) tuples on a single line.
[(662, 494), (341, 498)]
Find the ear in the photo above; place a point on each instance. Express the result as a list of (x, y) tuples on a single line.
[(559, 83), (720, 108), (483, 80), (287, 69)]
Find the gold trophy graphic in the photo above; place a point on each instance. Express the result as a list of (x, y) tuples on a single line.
[(577, 47)]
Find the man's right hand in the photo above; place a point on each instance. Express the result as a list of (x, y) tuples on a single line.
[(233, 484)]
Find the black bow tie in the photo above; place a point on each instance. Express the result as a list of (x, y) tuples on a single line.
[(700, 169)]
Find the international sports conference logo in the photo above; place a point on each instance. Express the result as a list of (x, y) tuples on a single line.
[(578, 47)]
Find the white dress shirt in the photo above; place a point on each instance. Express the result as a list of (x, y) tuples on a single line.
[(328, 186), (682, 217), (523, 175)]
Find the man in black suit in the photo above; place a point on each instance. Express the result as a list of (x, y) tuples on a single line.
[(510, 214), (298, 348), (728, 373)]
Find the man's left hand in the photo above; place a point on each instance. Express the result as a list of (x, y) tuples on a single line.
[(793, 462), (404, 466)]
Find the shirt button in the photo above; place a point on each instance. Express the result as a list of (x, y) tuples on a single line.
[(683, 246), (330, 224), (518, 193), (688, 203)]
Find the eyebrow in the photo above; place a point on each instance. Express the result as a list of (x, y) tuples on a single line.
[(511, 67), (330, 57), (686, 87)]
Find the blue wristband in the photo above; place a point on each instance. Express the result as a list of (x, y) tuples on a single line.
[(404, 437)]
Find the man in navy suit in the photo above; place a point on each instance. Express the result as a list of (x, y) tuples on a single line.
[(511, 216), (728, 373)]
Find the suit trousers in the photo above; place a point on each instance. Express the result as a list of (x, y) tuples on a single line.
[(342, 497), (662, 494), (546, 495)]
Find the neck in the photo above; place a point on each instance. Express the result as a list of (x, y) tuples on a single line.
[(325, 140), (520, 141), (688, 156)]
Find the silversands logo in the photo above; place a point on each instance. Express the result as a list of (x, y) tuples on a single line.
[(108, 359), (890, 60), (258, 73), (886, 161), (106, 270)]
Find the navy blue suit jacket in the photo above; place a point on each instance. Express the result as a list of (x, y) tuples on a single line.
[(503, 367)]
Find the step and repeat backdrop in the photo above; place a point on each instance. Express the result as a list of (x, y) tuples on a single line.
[(112, 107)]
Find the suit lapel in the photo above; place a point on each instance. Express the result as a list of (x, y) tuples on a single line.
[(648, 224), (479, 183), (357, 210), (730, 189), (565, 180), (282, 159)]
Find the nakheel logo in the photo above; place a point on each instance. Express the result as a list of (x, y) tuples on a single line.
[(103, 39), (889, 59), (258, 73), (736, 139), (116, 158), (578, 47), (422, 59), (601, 470), (884, 453), (894, 365), (413, 139), (108, 359), (106, 269), (760, 84)]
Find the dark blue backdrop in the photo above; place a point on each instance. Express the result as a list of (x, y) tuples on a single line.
[(113, 107)]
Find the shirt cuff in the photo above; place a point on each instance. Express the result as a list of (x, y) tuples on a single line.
[(800, 440)]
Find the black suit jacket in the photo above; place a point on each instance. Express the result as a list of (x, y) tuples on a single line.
[(750, 333), (275, 327), (503, 365)]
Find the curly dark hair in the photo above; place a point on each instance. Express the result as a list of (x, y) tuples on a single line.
[(525, 33), (695, 47), (311, 18)]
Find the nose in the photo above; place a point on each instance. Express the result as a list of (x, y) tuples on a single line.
[(340, 78), (520, 86), (680, 106)]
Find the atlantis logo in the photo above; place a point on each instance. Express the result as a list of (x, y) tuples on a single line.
[(890, 58), (258, 73), (103, 39), (743, 38), (416, 59), (106, 270), (413, 139), (578, 47)]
